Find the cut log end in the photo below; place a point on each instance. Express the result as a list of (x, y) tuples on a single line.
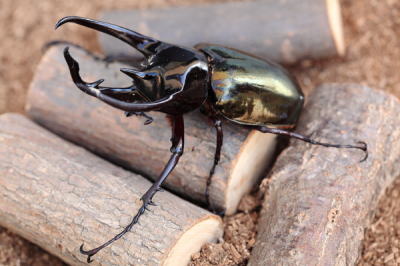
[(208, 230), (336, 25), (253, 159)]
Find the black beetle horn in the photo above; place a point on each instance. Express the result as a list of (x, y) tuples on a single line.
[(94, 89), (143, 44), (136, 74)]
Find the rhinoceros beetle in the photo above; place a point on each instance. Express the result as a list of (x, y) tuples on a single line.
[(175, 80)]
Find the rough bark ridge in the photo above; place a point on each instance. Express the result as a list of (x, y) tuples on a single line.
[(319, 200), (282, 30), (56, 103), (59, 196)]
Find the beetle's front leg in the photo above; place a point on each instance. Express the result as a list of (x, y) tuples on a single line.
[(147, 199), (176, 150)]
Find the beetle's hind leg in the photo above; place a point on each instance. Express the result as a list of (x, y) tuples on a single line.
[(361, 145), (147, 199)]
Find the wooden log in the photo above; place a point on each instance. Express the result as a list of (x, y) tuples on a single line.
[(3, 100), (285, 31), (59, 196), (56, 103), (319, 200)]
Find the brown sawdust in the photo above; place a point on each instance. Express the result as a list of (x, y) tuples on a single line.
[(372, 31), (239, 237), (382, 239)]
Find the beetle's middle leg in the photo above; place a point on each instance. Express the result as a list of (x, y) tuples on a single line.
[(362, 145), (217, 156), (147, 199), (209, 110)]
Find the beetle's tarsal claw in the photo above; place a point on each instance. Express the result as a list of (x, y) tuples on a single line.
[(152, 203), (149, 119), (89, 253), (363, 147)]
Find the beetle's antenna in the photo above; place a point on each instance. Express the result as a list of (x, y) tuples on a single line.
[(143, 44), (362, 145)]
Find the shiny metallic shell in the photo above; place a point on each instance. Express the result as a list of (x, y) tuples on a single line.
[(252, 91)]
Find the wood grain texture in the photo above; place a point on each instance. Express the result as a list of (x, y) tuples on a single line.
[(319, 200), (56, 103), (285, 31), (59, 196)]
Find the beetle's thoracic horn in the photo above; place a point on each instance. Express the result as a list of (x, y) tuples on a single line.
[(142, 43), (136, 74)]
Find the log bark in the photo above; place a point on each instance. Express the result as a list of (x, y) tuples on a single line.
[(59, 196), (285, 31), (319, 200), (55, 102), (3, 100)]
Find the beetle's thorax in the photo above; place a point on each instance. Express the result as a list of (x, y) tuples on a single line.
[(178, 68)]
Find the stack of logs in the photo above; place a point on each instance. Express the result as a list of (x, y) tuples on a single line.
[(318, 200)]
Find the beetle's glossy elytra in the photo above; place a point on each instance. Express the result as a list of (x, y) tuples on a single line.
[(252, 91)]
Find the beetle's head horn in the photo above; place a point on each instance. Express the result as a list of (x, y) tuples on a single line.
[(169, 70), (145, 45)]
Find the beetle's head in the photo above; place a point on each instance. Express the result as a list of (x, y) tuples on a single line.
[(167, 69)]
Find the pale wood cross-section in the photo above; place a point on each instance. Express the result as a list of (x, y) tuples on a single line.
[(59, 196), (56, 103), (319, 200)]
